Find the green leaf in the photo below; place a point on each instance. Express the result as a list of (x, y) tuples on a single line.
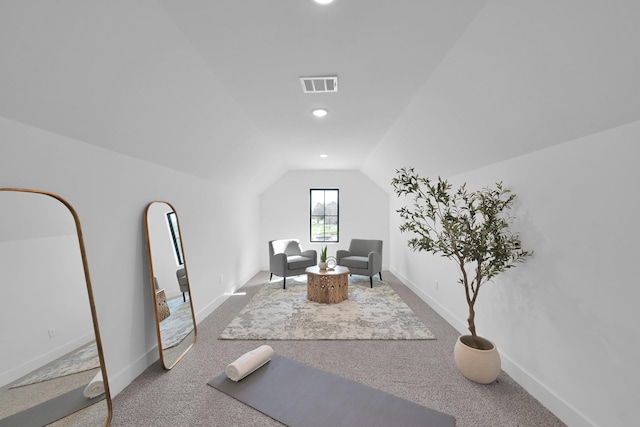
[(471, 227)]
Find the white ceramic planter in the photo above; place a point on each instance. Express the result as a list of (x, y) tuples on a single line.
[(481, 366), (323, 266)]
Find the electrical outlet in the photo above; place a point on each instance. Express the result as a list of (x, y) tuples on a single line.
[(221, 279), (52, 333), (437, 285)]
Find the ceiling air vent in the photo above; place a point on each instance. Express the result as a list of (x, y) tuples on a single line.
[(319, 84)]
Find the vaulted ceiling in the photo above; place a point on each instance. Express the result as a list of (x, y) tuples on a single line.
[(212, 88)]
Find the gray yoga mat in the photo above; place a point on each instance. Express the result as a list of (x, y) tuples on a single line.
[(51, 410), (300, 395)]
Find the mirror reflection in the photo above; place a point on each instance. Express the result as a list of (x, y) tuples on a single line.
[(175, 320), (51, 367)]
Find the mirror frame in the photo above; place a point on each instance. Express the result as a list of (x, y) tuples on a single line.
[(163, 360), (85, 267)]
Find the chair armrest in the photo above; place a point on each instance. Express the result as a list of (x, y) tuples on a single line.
[(311, 253), (375, 262), (341, 253), (278, 264)]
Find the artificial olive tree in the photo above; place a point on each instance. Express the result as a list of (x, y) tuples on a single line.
[(469, 227)]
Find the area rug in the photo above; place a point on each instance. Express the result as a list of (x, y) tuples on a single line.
[(178, 325), (376, 313), (79, 360)]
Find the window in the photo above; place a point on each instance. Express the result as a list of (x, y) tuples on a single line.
[(175, 236), (324, 215)]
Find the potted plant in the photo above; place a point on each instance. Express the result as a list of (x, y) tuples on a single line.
[(323, 258), (472, 229)]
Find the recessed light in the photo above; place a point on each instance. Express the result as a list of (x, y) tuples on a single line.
[(324, 155), (319, 112), (323, 1)]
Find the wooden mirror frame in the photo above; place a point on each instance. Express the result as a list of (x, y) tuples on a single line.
[(96, 329), (169, 357)]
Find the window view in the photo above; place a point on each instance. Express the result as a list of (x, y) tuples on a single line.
[(324, 215), (175, 236)]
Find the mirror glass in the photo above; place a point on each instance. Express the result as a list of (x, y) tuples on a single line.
[(52, 366), (175, 319)]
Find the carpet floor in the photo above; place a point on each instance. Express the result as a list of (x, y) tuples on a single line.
[(422, 371)]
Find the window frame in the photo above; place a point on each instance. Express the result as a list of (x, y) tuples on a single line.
[(172, 222), (312, 239)]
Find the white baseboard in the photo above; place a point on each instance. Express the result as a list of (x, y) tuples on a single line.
[(120, 380), (554, 403), (209, 308), (447, 315)]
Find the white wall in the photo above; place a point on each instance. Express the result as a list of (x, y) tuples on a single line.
[(523, 74), (563, 321), (43, 289), (110, 192), (560, 76), (284, 210)]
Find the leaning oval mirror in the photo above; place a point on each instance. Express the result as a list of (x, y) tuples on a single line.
[(52, 368), (175, 320)]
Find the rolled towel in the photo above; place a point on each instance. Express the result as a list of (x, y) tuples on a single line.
[(249, 362), (95, 387)]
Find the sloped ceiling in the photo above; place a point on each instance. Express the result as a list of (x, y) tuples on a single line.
[(524, 76), (211, 87)]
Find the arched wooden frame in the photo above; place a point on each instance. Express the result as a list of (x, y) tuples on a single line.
[(168, 358), (85, 267)]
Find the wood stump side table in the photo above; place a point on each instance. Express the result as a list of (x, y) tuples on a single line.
[(327, 286)]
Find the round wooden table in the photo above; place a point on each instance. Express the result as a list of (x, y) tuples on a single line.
[(327, 286)]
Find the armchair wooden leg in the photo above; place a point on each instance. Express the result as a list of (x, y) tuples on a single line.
[(271, 277), (380, 273), (371, 281), (284, 283)]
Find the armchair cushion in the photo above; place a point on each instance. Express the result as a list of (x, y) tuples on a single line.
[(355, 261), (295, 262)]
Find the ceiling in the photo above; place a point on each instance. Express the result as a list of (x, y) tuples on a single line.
[(211, 88), (381, 51), (201, 85)]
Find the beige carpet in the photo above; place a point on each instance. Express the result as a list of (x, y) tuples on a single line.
[(421, 371)]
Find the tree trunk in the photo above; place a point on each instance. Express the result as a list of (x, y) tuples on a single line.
[(471, 301), (472, 326)]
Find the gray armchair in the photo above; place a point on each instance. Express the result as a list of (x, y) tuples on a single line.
[(286, 259), (364, 257), (184, 284)]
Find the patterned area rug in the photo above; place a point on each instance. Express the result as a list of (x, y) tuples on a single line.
[(178, 325), (286, 314), (80, 360)]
